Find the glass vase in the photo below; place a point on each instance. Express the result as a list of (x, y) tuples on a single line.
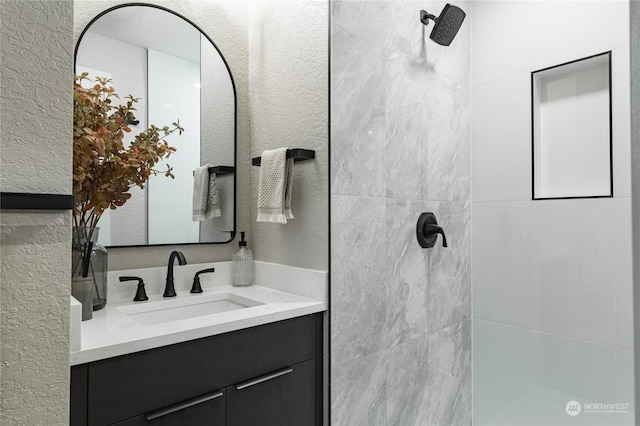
[(89, 259)]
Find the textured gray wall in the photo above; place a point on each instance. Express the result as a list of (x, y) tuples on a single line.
[(226, 23), (288, 84), (36, 109), (36, 48), (400, 314), (635, 185)]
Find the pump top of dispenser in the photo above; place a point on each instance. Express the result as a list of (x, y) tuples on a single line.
[(242, 242)]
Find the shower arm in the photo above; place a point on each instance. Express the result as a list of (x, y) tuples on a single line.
[(425, 16)]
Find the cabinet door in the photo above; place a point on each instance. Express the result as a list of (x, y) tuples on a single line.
[(282, 398), (126, 386), (78, 396), (205, 410)]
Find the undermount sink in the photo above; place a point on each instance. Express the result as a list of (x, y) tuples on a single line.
[(191, 306)]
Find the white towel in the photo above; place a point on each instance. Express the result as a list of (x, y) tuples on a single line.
[(206, 203), (274, 189)]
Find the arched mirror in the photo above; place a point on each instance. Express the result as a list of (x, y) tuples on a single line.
[(178, 72)]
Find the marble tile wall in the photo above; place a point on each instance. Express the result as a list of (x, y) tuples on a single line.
[(400, 314)]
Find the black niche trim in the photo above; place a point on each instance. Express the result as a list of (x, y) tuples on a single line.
[(609, 56), (27, 201)]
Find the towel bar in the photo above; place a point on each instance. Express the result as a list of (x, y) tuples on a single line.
[(30, 201), (298, 154), (222, 170)]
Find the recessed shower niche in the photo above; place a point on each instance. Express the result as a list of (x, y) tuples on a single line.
[(571, 129)]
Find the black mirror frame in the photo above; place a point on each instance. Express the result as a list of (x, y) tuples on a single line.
[(232, 234)]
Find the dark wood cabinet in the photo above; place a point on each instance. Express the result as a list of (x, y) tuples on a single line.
[(265, 375), (282, 398)]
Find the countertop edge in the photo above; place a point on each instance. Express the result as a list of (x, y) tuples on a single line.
[(124, 348)]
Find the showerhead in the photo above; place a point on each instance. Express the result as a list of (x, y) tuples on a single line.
[(446, 25)]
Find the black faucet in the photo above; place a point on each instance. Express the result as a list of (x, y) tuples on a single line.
[(169, 289)]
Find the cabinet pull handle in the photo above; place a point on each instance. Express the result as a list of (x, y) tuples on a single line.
[(182, 405), (264, 378)]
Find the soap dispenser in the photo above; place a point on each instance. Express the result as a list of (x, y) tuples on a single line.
[(242, 271)]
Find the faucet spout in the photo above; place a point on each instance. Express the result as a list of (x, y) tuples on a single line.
[(169, 289)]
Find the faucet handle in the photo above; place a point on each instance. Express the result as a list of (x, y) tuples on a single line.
[(196, 288), (141, 294), (427, 230)]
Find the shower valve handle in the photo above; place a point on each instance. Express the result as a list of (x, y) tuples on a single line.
[(427, 231)]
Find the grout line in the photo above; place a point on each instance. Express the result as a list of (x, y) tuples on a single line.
[(575, 339)]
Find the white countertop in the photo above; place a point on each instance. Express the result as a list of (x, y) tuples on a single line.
[(112, 333)]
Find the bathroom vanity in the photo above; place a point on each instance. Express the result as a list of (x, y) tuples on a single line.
[(265, 375), (257, 365), (198, 358)]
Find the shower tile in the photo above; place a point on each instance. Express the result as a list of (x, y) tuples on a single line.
[(618, 22), (580, 254), (407, 384), (403, 160), (359, 391), (501, 140), (448, 157), (358, 277), (579, 369), (408, 296), (449, 376), (367, 19), (449, 268), (621, 107), (502, 262), (400, 136), (357, 115), (407, 82), (405, 32), (525, 36), (502, 30), (624, 305), (502, 371), (624, 386), (623, 279), (552, 21)]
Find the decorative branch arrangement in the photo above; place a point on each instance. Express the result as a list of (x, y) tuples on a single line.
[(103, 168)]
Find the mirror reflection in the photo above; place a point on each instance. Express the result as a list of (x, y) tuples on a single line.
[(178, 74)]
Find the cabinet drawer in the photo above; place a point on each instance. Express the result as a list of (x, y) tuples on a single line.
[(286, 397), (206, 410), (127, 386)]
